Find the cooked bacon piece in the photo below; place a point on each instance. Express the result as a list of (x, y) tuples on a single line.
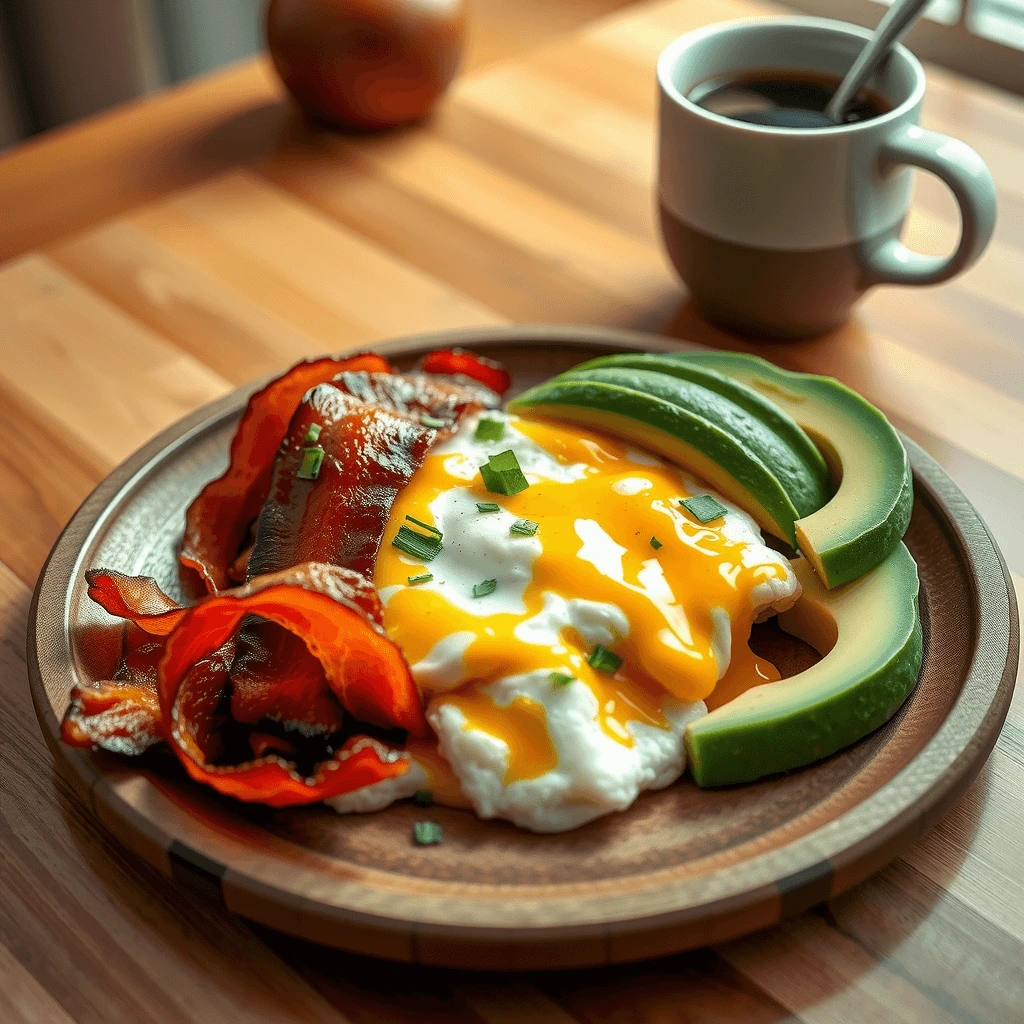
[(417, 393), (138, 598), (373, 437), (264, 743), (218, 520), (274, 676), (325, 606), (457, 361), (122, 714), (338, 518)]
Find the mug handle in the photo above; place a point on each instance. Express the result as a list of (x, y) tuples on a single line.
[(968, 179)]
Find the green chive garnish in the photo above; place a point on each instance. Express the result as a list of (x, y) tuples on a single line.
[(503, 475), (423, 798), (603, 660), (488, 506), (524, 526), (485, 588), (490, 430), (312, 434), (426, 526), (414, 543), (655, 543), (423, 578), (561, 678), (704, 508), (311, 461), (427, 833), (432, 421)]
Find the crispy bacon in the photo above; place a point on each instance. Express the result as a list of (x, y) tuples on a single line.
[(218, 520), (275, 677), (458, 361), (372, 433), (138, 598), (301, 644), (120, 714), (374, 439), (323, 606)]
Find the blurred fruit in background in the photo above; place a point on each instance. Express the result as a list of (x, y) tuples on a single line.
[(366, 63)]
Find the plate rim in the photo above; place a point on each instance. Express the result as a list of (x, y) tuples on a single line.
[(817, 865)]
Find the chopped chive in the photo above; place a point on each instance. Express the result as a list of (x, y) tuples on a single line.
[(426, 526), (432, 421), (603, 660), (504, 461), (423, 798), (414, 543), (502, 474), (423, 578), (704, 508), (524, 526), (311, 461), (561, 678), (490, 430), (312, 434), (655, 543), (488, 506), (427, 833), (485, 588)]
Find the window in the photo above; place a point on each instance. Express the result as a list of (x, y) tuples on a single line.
[(983, 38)]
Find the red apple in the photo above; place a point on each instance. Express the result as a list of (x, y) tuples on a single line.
[(366, 63)]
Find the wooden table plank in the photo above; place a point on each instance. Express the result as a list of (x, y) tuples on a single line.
[(105, 378)]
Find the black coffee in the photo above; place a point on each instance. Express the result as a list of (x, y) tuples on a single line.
[(783, 98)]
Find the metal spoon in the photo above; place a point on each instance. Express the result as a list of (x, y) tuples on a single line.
[(896, 21)]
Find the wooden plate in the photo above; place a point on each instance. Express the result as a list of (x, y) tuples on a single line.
[(682, 868)]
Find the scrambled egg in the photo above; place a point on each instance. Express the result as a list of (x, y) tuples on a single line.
[(562, 690)]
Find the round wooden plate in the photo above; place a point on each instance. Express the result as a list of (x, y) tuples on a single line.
[(682, 868)]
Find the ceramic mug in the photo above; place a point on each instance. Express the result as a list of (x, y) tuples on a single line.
[(778, 231)]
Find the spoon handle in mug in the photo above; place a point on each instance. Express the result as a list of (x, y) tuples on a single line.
[(893, 24)]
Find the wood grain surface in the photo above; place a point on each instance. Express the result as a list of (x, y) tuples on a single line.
[(226, 238)]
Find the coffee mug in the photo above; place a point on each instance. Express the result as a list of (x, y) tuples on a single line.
[(778, 231)]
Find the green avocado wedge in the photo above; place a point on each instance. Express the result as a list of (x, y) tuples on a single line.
[(782, 425), (869, 633), (870, 510), (804, 477), (689, 439)]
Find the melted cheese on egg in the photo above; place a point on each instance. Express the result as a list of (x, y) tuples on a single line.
[(678, 614)]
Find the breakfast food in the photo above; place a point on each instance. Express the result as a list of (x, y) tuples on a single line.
[(870, 510), (536, 613)]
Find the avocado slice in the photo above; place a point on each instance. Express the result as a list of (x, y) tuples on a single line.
[(771, 415), (870, 510), (869, 632), (686, 437), (805, 480)]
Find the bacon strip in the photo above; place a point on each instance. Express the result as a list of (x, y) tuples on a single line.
[(373, 437), (121, 714), (458, 361), (218, 519), (138, 598), (322, 605)]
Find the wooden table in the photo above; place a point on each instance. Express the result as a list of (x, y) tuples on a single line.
[(171, 251)]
